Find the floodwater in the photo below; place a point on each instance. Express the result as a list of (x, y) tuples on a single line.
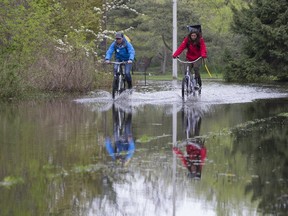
[(224, 152)]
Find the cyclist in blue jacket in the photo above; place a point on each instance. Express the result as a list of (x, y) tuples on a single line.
[(124, 51)]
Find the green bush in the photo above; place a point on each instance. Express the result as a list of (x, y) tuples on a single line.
[(10, 80), (246, 70)]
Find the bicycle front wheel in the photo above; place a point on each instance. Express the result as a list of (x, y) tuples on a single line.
[(185, 88), (121, 84), (114, 87)]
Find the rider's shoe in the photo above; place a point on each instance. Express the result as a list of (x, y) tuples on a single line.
[(129, 84)]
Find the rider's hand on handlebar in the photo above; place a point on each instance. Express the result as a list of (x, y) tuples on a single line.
[(174, 57), (129, 62), (107, 61)]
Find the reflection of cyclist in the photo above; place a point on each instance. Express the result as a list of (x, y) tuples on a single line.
[(124, 51), (194, 159), (192, 119), (195, 155), (123, 147)]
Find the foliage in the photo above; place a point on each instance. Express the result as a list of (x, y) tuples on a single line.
[(155, 30), (245, 69), (34, 32), (10, 83), (57, 45), (22, 33), (264, 26), (264, 141), (64, 72)]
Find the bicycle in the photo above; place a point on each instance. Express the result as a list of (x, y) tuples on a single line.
[(119, 81), (124, 145), (189, 84)]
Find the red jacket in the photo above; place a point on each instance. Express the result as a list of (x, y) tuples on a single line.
[(193, 52), (194, 151)]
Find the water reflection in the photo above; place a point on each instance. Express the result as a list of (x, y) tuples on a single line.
[(192, 151), (194, 158), (54, 159), (122, 147), (265, 145), (191, 121)]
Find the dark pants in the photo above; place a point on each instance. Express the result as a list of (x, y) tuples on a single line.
[(196, 66)]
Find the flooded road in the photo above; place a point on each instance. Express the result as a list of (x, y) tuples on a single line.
[(161, 93), (148, 153)]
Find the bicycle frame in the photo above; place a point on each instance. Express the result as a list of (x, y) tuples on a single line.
[(118, 85), (188, 81), (119, 117)]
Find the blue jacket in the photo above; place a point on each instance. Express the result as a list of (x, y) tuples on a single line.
[(122, 148), (123, 52)]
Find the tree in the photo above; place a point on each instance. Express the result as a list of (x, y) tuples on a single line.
[(153, 32), (47, 44), (264, 31), (22, 32)]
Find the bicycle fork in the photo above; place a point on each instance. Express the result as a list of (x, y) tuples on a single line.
[(193, 83), (119, 78), (190, 81)]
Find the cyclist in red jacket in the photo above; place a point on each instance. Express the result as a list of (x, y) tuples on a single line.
[(196, 48)]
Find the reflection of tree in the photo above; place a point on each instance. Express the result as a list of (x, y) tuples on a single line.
[(48, 140), (266, 143)]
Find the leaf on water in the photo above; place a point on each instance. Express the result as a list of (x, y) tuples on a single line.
[(10, 181), (283, 115), (54, 171), (227, 174), (145, 138), (87, 168)]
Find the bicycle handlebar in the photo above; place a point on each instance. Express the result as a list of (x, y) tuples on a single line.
[(113, 62), (187, 62)]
